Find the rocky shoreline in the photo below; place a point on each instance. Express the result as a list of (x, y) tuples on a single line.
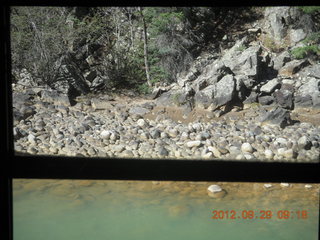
[(124, 127), (252, 100)]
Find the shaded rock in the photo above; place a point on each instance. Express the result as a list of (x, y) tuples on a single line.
[(165, 99), (100, 104), (311, 89), (252, 98), (277, 116), (163, 152), (266, 100), (224, 91), (280, 60), (303, 101), (311, 71), (304, 143), (204, 98), (54, 97), (156, 92), (139, 111), (284, 98), (293, 67)]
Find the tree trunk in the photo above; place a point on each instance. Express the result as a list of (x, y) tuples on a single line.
[(145, 50)]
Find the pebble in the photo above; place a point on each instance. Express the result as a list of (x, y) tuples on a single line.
[(246, 147), (71, 131), (192, 144)]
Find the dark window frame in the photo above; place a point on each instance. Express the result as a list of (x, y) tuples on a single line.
[(57, 167)]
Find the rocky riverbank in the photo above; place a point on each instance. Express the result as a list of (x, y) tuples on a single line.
[(128, 127), (251, 100)]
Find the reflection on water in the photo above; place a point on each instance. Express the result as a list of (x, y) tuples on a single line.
[(81, 209)]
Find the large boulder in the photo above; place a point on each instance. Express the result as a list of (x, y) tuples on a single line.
[(277, 116), (55, 97), (247, 62), (270, 86), (290, 22), (224, 91), (309, 91), (293, 67), (284, 97), (311, 71), (204, 98), (280, 60)]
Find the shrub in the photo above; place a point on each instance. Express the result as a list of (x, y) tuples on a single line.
[(311, 47)]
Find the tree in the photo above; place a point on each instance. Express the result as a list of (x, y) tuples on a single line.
[(145, 44)]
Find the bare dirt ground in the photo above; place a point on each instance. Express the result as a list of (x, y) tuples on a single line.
[(178, 114)]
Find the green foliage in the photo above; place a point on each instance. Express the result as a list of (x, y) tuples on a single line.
[(144, 89), (302, 52), (311, 47), (310, 9)]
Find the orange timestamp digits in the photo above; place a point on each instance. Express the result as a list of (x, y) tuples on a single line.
[(261, 214)]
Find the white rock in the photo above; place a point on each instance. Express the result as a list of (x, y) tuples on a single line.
[(268, 153), (214, 188), (208, 155), (246, 147), (105, 134), (267, 185), (284, 184), (215, 151), (192, 144), (281, 151), (141, 122), (270, 86), (308, 186), (31, 138)]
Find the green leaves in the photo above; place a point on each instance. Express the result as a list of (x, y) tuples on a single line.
[(311, 47)]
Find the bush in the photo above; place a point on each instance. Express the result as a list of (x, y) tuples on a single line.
[(311, 47), (310, 9)]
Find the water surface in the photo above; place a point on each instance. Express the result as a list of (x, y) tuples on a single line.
[(81, 209)]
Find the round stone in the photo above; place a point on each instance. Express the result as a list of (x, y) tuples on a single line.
[(105, 134), (192, 144), (246, 147), (141, 122), (214, 188), (269, 154)]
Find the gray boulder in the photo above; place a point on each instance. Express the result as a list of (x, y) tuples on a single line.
[(287, 21), (204, 98), (311, 89), (224, 91), (55, 97), (266, 100), (277, 116), (280, 60), (270, 86), (311, 71), (293, 67), (284, 97), (247, 62), (139, 110)]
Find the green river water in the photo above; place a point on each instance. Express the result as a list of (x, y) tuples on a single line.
[(116, 210)]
